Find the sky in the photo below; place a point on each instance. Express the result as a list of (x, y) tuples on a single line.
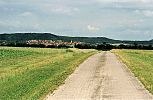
[(116, 19)]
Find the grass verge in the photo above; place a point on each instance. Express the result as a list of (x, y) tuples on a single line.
[(140, 62)]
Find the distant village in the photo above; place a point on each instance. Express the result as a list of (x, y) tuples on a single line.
[(51, 43)]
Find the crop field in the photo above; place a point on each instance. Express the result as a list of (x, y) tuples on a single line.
[(140, 62), (31, 73)]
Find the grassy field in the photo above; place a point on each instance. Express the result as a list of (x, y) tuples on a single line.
[(141, 64), (31, 73)]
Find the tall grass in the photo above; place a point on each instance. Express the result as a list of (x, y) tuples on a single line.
[(141, 64), (31, 73)]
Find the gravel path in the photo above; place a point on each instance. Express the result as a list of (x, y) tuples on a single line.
[(101, 77)]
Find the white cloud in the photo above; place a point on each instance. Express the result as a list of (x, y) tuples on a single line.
[(126, 1), (92, 28), (147, 13), (147, 1), (59, 9), (65, 10), (25, 14)]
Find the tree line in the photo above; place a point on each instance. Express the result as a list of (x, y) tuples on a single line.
[(103, 46)]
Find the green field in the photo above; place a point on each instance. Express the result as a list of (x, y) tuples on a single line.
[(141, 64), (31, 73)]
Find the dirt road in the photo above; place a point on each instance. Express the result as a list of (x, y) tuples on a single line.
[(101, 77)]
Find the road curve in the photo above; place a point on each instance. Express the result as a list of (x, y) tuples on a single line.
[(101, 77)]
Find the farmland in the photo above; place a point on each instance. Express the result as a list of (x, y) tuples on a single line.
[(31, 73), (140, 62)]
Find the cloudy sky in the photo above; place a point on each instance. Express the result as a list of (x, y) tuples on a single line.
[(116, 19)]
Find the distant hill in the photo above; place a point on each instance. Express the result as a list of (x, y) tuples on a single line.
[(151, 40), (48, 36), (27, 36)]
